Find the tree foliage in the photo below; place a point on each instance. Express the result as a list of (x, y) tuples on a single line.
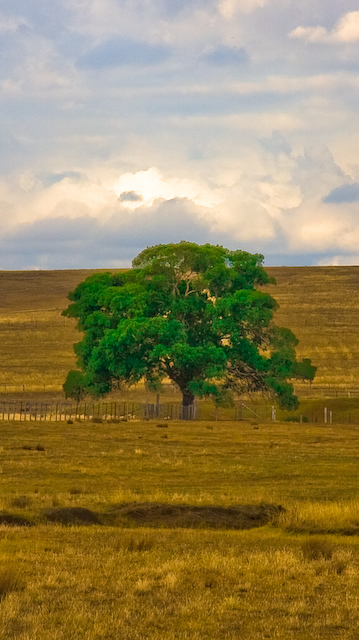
[(191, 313), (305, 370), (74, 386)]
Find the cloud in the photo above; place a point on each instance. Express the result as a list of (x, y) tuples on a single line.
[(130, 196), (228, 8), (63, 242), (339, 260), (222, 56), (11, 24), (123, 51), (277, 143), (150, 185), (343, 194), (48, 179), (345, 31), (113, 109)]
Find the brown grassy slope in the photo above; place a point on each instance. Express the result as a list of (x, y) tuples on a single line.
[(36, 341), (320, 304)]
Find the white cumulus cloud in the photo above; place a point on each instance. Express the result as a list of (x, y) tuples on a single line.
[(346, 31), (230, 7), (151, 185)]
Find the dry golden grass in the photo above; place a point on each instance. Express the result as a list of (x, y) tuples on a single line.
[(99, 582), (183, 585), (97, 465), (321, 306), (37, 342)]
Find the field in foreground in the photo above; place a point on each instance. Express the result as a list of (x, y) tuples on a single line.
[(294, 573)]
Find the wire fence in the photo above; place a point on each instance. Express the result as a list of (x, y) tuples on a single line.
[(312, 391), (326, 412), (23, 411)]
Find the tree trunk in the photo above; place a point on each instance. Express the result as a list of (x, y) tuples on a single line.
[(188, 398)]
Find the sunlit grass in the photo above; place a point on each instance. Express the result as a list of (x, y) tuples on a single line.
[(321, 306), (323, 517), (95, 583), (289, 578)]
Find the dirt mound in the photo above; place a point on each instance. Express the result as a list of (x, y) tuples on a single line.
[(71, 515), (193, 517), (14, 521)]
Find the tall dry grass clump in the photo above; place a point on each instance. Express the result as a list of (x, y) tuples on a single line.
[(10, 580), (322, 517)]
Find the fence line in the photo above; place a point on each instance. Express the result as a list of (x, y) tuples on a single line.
[(118, 411), (23, 411)]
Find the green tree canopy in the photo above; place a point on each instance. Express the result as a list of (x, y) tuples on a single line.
[(305, 370), (190, 313)]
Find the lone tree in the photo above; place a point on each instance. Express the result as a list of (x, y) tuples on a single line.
[(189, 313)]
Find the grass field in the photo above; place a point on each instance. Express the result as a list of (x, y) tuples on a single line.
[(179, 531), (320, 304), (36, 340), (144, 572)]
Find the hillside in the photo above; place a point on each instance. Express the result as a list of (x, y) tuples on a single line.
[(320, 305)]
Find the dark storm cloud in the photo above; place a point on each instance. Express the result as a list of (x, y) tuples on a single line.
[(346, 193), (123, 51)]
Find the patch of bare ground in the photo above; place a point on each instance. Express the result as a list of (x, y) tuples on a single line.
[(13, 520), (237, 517), (72, 516)]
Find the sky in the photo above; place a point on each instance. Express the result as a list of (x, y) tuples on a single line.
[(130, 123)]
